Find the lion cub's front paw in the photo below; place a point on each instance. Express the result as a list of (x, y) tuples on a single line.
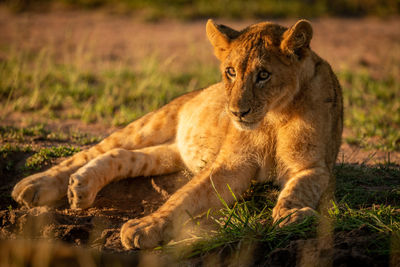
[(81, 191), (289, 216), (147, 232), (38, 190)]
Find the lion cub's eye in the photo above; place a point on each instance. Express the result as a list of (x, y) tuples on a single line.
[(263, 76), (230, 72)]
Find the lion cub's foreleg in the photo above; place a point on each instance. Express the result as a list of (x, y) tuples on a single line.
[(118, 164), (197, 196), (300, 195), (46, 187), (305, 172)]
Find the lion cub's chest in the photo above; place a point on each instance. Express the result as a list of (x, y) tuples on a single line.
[(202, 129)]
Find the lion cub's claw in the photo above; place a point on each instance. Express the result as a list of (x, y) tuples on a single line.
[(147, 232), (289, 216), (81, 192)]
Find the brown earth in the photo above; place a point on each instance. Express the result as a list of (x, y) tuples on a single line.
[(345, 43)]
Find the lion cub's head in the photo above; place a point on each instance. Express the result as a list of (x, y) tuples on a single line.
[(262, 67)]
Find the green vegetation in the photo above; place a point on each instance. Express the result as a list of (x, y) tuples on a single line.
[(380, 218), (249, 220), (9, 132), (33, 159), (361, 185), (36, 161), (40, 132), (7, 155), (117, 94), (371, 109), (236, 9), (114, 95)]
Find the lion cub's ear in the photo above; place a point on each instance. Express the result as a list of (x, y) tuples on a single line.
[(220, 37), (297, 37)]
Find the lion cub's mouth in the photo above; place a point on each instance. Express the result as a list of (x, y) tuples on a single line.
[(245, 125)]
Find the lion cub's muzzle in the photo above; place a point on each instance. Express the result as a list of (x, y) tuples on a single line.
[(243, 118), (240, 113)]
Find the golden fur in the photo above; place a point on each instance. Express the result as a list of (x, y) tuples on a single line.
[(277, 110)]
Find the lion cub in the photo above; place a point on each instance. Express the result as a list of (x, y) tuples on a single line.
[(277, 110)]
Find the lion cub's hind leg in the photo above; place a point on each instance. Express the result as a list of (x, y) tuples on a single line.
[(119, 164)]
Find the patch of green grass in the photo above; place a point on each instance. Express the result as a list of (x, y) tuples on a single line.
[(360, 205), (248, 222), (244, 224), (41, 133), (74, 137), (7, 153), (10, 132), (23, 134), (372, 110), (11, 154), (378, 218), (7, 149), (116, 94), (363, 186), (36, 161), (110, 94)]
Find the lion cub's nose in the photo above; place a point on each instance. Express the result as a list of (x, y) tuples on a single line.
[(240, 113)]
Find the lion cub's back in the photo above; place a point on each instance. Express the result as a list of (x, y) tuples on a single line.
[(202, 127)]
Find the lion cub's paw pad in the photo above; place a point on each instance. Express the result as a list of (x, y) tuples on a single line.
[(81, 193), (147, 232)]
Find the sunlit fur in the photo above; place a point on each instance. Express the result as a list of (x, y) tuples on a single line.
[(286, 126)]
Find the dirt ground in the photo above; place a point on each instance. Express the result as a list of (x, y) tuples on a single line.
[(345, 43)]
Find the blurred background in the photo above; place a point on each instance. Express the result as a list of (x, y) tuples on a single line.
[(233, 9)]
